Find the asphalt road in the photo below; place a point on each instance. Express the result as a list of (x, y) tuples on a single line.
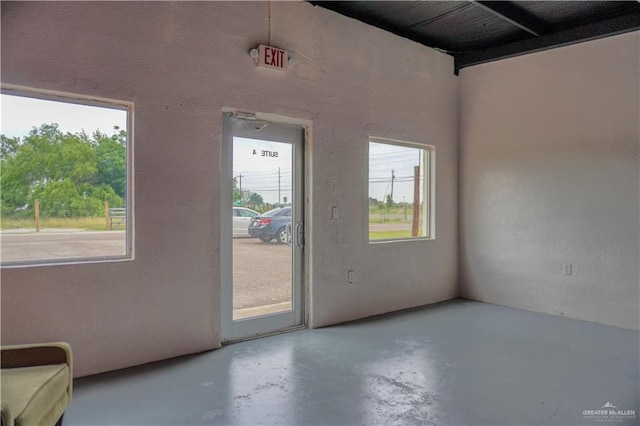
[(261, 271), (45, 245)]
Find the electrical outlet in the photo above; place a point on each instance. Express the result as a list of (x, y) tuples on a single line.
[(335, 214), (351, 277), (567, 269)]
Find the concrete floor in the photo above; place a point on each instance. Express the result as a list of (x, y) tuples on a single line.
[(458, 362)]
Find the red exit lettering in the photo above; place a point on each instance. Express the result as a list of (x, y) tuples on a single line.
[(267, 55), (273, 57)]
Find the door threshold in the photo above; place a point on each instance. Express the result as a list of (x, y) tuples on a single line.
[(273, 333)]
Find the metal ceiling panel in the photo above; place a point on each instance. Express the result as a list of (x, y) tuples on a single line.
[(429, 12), (395, 13), (469, 28), (397, 17), (514, 15), (480, 31), (567, 14)]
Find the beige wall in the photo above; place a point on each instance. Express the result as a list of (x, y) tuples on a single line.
[(180, 63), (549, 175)]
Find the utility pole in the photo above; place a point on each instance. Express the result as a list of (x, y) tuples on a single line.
[(240, 182), (278, 185), (393, 177), (415, 226)]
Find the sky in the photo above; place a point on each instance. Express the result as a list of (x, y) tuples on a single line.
[(260, 172), (385, 158), (20, 114)]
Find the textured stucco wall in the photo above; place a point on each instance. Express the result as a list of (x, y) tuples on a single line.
[(549, 175), (180, 63)]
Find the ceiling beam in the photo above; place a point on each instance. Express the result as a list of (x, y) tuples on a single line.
[(514, 15), (602, 29)]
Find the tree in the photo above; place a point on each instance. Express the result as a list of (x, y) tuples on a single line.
[(256, 199), (71, 174), (111, 160), (237, 195), (8, 146), (389, 201)]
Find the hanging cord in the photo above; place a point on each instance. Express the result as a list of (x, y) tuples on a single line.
[(269, 4)]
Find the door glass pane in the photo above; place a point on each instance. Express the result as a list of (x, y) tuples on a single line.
[(262, 251)]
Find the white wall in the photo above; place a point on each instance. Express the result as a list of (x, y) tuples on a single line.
[(180, 63), (549, 175)]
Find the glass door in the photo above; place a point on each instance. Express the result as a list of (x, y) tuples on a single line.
[(262, 227)]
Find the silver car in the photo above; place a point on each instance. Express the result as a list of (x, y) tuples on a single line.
[(241, 220)]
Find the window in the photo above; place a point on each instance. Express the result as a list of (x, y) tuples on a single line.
[(65, 176), (248, 213), (400, 190)]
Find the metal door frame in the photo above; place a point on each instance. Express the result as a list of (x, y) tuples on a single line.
[(249, 126)]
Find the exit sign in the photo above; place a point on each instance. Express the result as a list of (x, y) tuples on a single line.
[(272, 57)]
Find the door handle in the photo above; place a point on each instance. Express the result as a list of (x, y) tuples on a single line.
[(299, 234)]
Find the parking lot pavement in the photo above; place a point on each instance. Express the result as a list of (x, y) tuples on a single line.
[(261, 271)]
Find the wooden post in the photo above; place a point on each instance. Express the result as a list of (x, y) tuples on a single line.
[(106, 214), (36, 208), (415, 227)]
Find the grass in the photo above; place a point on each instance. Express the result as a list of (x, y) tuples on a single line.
[(98, 224), (391, 215), (389, 235), (84, 223)]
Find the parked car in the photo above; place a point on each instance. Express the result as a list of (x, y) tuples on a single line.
[(272, 224), (241, 221)]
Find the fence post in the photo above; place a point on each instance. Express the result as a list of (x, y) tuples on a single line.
[(36, 208), (106, 214)]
